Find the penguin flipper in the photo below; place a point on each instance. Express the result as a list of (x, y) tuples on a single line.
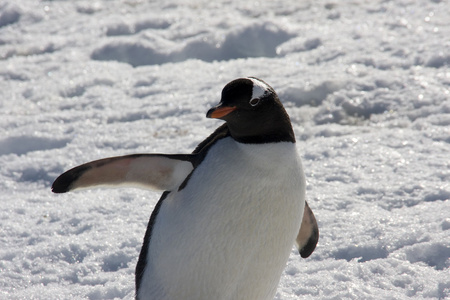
[(308, 235), (155, 171)]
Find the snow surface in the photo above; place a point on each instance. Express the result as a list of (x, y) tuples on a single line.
[(367, 86)]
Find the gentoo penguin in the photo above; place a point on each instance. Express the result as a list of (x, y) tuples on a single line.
[(230, 211)]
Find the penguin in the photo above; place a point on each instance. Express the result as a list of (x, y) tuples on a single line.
[(230, 211)]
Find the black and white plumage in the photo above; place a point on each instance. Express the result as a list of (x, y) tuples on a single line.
[(230, 212)]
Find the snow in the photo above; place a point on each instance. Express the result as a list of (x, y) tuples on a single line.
[(367, 86)]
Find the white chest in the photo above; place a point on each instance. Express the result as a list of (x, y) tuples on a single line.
[(229, 232)]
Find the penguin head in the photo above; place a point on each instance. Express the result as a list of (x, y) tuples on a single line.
[(253, 112)]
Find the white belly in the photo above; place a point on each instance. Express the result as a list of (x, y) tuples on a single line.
[(229, 232)]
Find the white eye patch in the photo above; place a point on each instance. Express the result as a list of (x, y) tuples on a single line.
[(259, 88)]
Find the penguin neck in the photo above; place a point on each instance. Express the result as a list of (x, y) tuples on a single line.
[(282, 132), (270, 126), (256, 131)]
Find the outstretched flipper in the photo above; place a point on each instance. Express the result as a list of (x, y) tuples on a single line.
[(308, 235), (155, 171)]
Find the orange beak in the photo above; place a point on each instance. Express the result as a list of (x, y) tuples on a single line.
[(220, 112)]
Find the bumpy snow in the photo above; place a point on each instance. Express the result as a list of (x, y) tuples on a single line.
[(367, 86)]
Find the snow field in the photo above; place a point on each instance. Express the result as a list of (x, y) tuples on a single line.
[(366, 84)]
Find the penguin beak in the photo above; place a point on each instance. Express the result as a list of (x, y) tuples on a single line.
[(219, 111)]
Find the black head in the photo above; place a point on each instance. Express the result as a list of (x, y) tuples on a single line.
[(253, 112)]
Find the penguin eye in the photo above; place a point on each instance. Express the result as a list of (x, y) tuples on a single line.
[(254, 101)]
